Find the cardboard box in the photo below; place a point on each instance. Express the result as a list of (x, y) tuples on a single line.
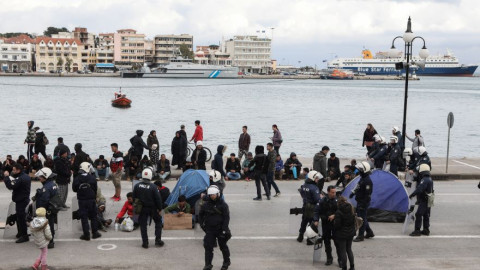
[(174, 222)]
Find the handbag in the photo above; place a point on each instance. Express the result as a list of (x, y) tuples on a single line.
[(358, 222)]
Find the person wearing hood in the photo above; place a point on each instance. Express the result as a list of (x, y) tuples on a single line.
[(363, 195), (291, 163), (378, 156), (325, 213), (311, 197), (80, 157), (40, 230), (320, 165), (85, 185), (199, 157), (44, 195), (151, 140), (40, 140), (217, 163), (344, 225), (64, 173), (424, 193), (259, 165), (179, 150), (138, 144), (30, 139)]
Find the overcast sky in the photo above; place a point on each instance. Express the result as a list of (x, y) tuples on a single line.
[(305, 30)]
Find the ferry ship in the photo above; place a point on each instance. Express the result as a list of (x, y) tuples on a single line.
[(382, 64), (184, 68)]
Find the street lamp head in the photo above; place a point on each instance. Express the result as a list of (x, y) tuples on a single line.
[(408, 36), (424, 53)]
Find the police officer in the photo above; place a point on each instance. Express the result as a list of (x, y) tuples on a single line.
[(44, 195), (147, 195), (363, 194), (420, 157), (85, 185), (214, 218), (311, 196), (378, 155), (394, 155), (216, 179), (423, 190), (325, 210), (20, 184)]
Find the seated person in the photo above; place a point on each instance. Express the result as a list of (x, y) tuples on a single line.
[(101, 167), (102, 222), (127, 209), (333, 166), (132, 168), (49, 162), (353, 167), (188, 164), (163, 168), (24, 162), (35, 164), (305, 172), (345, 176), (291, 163), (164, 192), (179, 208), (233, 168), (279, 167), (8, 164), (248, 173)]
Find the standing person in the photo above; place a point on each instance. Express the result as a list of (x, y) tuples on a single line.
[(277, 139), (320, 165), (147, 197), (138, 144), (182, 132), (40, 142), (394, 155), (179, 150), (333, 165), (214, 218), (363, 195), (151, 140), (59, 147), (217, 163), (233, 168), (396, 132), (417, 141), (80, 157), (64, 173), (259, 165), (85, 185), (325, 211), (44, 195), (198, 134), (344, 224), (20, 184), (41, 232), (199, 157), (423, 192), (116, 166), (243, 143), (310, 196), (30, 139), (368, 139), (379, 155), (271, 161)]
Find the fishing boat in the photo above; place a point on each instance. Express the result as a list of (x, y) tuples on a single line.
[(337, 74), (121, 100)]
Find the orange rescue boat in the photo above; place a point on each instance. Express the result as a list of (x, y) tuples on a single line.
[(121, 100)]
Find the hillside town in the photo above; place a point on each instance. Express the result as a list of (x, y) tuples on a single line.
[(81, 51)]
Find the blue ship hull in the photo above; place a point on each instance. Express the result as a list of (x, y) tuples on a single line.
[(428, 71)]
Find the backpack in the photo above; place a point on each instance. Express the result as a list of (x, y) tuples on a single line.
[(45, 140)]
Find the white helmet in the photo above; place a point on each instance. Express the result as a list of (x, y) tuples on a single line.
[(311, 234), (199, 143), (423, 168), (382, 140), (45, 173), (377, 138), (363, 166), (147, 173), (394, 138), (395, 129), (421, 150), (312, 175), (86, 167), (407, 152), (216, 175), (213, 190)]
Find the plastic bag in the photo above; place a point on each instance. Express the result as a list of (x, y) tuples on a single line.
[(127, 225)]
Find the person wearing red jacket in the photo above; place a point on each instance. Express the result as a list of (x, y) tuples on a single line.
[(126, 209), (198, 135)]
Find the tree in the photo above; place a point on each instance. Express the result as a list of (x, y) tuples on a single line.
[(14, 34), (59, 63), (54, 30), (68, 63), (186, 52)]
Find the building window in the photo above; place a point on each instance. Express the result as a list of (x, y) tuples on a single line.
[(5, 57)]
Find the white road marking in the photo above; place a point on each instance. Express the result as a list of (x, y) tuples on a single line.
[(463, 163), (107, 247)]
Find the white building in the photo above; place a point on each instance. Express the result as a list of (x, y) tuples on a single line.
[(168, 47), (250, 54), (16, 53)]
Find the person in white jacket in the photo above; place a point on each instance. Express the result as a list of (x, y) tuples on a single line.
[(40, 231)]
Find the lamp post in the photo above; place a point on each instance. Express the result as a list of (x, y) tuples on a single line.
[(408, 37)]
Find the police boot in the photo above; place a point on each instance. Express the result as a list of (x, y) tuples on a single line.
[(352, 267), (145, 245), (300, 238), (51, 244), (369, 234), (96, 235), (208, 267), (426, 232), (22, 239), (159, 242), (225, 265), (416, 233), (358, 239), (85, 237), (310, 242), (329, 259)]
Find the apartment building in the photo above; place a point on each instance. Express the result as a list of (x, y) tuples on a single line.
[(49, 50), (168, 47), (250, 54), (212, 55), (16, 53), (129, 47)]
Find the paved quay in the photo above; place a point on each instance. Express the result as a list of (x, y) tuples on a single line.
[(263, 237)]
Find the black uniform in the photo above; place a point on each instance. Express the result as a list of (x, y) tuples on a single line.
[(214, 218), (363, 195), (42, 199), (85, 185), (379, 155), (20, 184), (325, 208), (259, 165), (394, 156), (311, 197), (423, 211), (149, 196)]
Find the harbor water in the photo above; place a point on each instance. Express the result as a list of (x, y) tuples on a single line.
[(309, 113)]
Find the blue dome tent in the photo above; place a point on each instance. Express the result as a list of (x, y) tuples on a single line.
[(191, 184), (389, 198)]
